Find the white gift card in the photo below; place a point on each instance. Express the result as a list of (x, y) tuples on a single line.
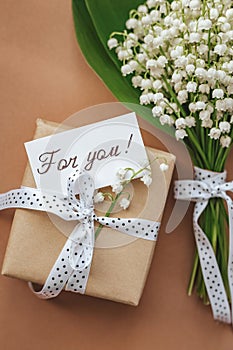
[(100, 149)]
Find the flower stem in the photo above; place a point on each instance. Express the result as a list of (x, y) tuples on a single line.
[(193, 275), (107, 214), (198, 148), (215, 215)]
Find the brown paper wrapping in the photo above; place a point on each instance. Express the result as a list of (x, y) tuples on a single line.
[(119, 271)]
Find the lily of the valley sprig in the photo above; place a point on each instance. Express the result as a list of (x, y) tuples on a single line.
[(124, 177)]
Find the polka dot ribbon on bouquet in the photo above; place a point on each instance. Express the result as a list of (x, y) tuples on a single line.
[(208, 184), (72, 267)]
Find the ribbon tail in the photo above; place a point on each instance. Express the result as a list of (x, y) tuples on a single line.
[(84, 252), (230, 257), (58, 275), (72, 266), (139, 228), (78, 280), (81, 247), (35, 199), (210, 270)]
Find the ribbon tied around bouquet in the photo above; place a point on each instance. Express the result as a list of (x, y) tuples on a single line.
[(207, 185), (72, 267)]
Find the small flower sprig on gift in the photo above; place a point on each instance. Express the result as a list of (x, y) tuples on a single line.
[(126, 176), (179, 55)]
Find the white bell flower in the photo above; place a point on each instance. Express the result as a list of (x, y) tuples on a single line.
[(204, 115), (218, 93), (204, 24), (200, 73), (98, 197), (190, 122), (136, 81), (195, 4), (146, 179), (225, 127), (180, 123), (146, 84), (214, 13), (194, 37), (190, 68), (124, 203), (229, 14), (207, 123), (145, 99), (182, 96), (165, 119), (157, 84), (225, 141), (117, 187), (132, 23), (112, 43), (121, 173), (157, 111), (215, 133), (164, 167), (126, 69), (204, 88), (220, 49), (191, 86), (180, 134), (142, 9)]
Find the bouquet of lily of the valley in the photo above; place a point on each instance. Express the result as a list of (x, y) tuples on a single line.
[(180, 57), (176, 57)]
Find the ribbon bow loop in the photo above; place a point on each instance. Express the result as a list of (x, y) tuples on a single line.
[(83, 235), (215, 183)]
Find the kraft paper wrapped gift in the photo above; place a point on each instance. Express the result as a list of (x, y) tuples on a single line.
[(120, 263)]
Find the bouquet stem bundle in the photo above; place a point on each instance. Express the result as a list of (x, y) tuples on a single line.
[(214, 220)]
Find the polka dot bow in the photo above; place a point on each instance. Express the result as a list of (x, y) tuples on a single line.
[(208, 184), (72, 267)]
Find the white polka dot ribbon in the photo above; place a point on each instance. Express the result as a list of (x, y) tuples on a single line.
[(72, 267), (208, 184)]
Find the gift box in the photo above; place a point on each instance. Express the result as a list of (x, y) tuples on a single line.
[(120, 263)]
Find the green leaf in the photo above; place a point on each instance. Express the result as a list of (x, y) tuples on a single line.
[(97, 57), (115, 14)]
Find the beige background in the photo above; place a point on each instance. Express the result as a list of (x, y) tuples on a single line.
[(42, 74)]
